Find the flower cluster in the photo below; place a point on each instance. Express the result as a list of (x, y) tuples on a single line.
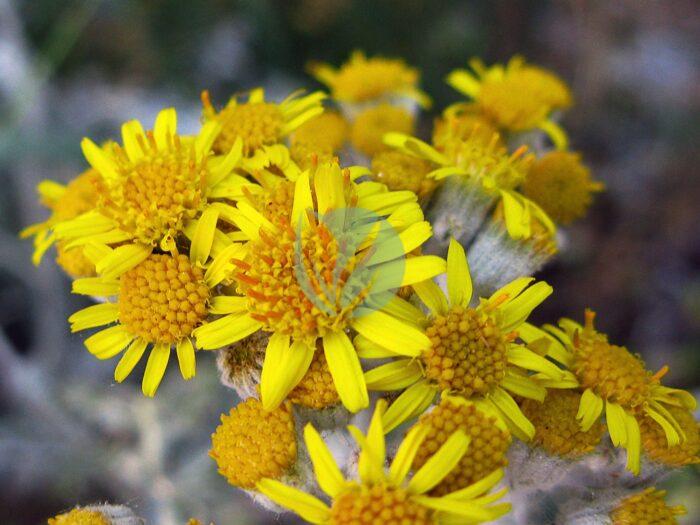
[(319, 248)]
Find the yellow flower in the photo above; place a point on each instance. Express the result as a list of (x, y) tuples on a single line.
[(561, 185), (486, 166), (65, 202), (318, 139), (321, 251), (370, 126), (152, 187), (259, 123), (363, 79), (381, 497), (647, 506), (613, 379), (469, 352), (517, 96), (80, 517), (400, 171), (159, 300), (252, 444)]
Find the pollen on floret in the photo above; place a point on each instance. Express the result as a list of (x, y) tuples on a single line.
[(316, 389), (378, 505), (73, 261), (252, 443), (468, 352), (611, 371), (370, 126), (655, 443), (256, 123), (155, 195), (163, 298), (400, 171), (80, 517), (561, 185), (487, 448), (557, 430), (648, 506)]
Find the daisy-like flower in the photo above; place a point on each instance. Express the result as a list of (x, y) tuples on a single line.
[(648, 506), (323, 252), (157, 303), (363, 79), (370, 126), (480, 174), (258, 122), (515, 97), (151, 187), (381, 497), (561, 185), (65, 202), (615, 381), (470, 352)]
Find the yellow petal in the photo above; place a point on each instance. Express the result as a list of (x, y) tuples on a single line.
[(366, 349), (225, 331), (459, 281), (467, 512), (130, 359), (406, 453), (133, 137), (328, 475), (411, 403), (122, 259), (440, 464), (523, 386), (392, 334), (345, 368), (305, 505), (283, 368), (395, 375), (525, 358), (432, 296), (202, 144), (221, 266), (422, 267), (203, 237), (95, 286), (99, 160), (108, 342), (589, 409), (616, 419), (634, 445), (92, 316), (464, 82), (227, 304), (514, 417), (186, 359), (480, 487), (303, 201), (165, 127), (155, 369), (516, 311)]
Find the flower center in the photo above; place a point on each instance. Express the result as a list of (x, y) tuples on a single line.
[(378, 505), (400, 171), (257, 124), (468, 352), (157, 193), (251, 443), (561, 185), (486, 452), (556, 429), (79, 517), (646, 507), (611, 371), (163, 299), (655, 443), (372, 124), (316, 389), (372, 78)]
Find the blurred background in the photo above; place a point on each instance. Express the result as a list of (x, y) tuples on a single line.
[(76, 68)]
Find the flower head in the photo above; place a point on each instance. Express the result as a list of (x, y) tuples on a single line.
[(614, 379), (561, 185), (370, 126), (257, 122), (400, 171), (318, 139), (648, 506), (160, 299), (517, 96), (251, 443), (470, 352), (80, 517), (363, 79), (378, 496), (655, 444), (321, 252)]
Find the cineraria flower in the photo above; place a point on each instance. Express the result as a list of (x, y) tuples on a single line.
[(561, 185), (467, 351), (613, 379), (381, 497), (319, 138), (150, 187), (370, 126), (158, 302), (363, 79), (257, 122), (515, 97), (557, 430), (648, 506), (65, 202), (489, 443), (323, 252)]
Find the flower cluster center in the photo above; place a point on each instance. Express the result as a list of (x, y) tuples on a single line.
[(257, 124), (163, 298), (378, 505), (468, 352), (316, 389)]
